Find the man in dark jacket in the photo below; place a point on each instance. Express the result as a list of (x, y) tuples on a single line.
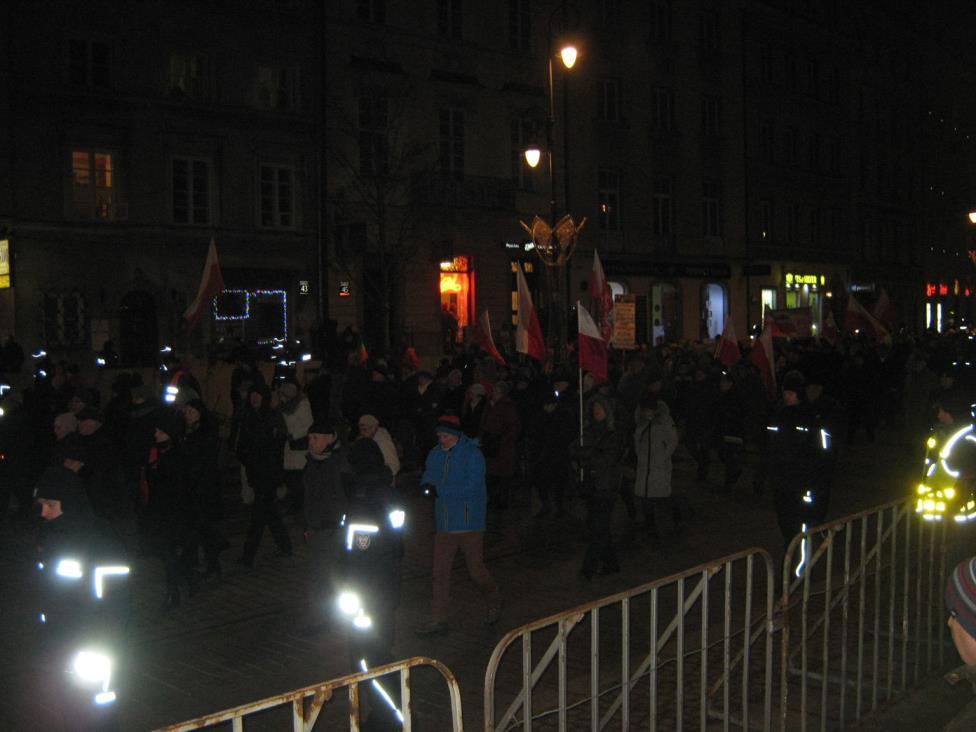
[(555, 429), (260, 448), (102, 473), (325, 504), (82, 599)]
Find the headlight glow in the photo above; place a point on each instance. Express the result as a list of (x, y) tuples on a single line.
[(93, 667), (70, 568), (363, 622), (349, 603)]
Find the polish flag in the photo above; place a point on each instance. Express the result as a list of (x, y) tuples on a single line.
[(592, 347), (727, 349), (858, 319), (211, 283), (884, 309), (482, 336), (830, 331), (528, 333), (602, 298), (762, 357)]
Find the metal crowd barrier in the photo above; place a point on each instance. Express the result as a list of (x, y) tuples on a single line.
[(308, 702), (709, 619), (863, 619)]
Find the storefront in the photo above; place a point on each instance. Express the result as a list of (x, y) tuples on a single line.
[(457, 288), (947, 305), (805, 291)]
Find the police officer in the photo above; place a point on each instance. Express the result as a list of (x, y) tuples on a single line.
[(83, 597), (368, 574), (797, 459)]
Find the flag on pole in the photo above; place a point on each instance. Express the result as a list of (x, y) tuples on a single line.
[(830, 331), (211, 283), (528, 333), (727, 349), (762, 357), (858, 319), (884, 310), (602, 298), (592, 347), (482, 336)]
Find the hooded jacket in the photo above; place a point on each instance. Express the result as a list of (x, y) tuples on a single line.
[(655, 440), (458, 475)]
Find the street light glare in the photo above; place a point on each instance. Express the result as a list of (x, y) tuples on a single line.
[(972, 217), (532, 156), (568, 55)]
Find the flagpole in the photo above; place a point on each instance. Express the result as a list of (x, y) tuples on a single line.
[(580, 392)]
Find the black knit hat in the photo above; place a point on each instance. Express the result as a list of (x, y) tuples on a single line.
[(322, 427)]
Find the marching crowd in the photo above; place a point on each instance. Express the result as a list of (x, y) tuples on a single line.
[(484, 437)]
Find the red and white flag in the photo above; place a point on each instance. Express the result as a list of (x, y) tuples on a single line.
[(528, 333), (857, 319), (830, 332), (602, 298), (211, 283), (727, 349), (762, 357), (592, 347), (482, 336), (884, 310)]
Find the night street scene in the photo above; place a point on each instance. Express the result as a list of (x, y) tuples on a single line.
[(509, 365)]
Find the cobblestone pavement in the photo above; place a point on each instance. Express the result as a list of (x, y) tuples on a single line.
[(249, 636)]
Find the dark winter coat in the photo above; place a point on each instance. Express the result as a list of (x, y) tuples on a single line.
[(201, 447), (599, 455), (260, 447), (499, 438), (325, 498)]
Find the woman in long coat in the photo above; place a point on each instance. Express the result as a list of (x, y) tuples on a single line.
[(655, 440)]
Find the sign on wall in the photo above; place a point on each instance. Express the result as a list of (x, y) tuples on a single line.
[(4, 263), (625, 322)]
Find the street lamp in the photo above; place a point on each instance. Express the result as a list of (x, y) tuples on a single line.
[(554, 240)]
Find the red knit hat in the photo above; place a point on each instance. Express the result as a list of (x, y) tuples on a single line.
[(450, 424)]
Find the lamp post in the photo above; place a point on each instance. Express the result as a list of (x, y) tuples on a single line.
[(554, 240)]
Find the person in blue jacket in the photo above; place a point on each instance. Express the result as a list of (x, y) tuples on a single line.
[(455, 474)]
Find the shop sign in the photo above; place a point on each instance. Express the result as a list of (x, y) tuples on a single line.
[(520, 246), (303, 288), (862, 287), (796, 280), (625, 322), (344, 290), (4, 263), (934, 289)]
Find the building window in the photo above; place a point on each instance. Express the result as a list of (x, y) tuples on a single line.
[(711, 115), (93, 186), (65, 321), (712, 208), (792, 222), (766, 220), (372, 11), (665, 313), (277, 197), (188, 75), (608, 100), (522, 134), (662, 212), (609, 200), (767, 141), (191, 191), (452, 143), (662, 109), (768, 295), (89, 63), (373, 119), (449, 17), (519, 25), (709, 32), (766, 63), (661, 21), (277, 88)]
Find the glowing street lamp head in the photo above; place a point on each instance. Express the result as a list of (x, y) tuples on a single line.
[(532, 156), (972, 217), (568, 54)]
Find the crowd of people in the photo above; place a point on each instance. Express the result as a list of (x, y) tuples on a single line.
[(484, 437)]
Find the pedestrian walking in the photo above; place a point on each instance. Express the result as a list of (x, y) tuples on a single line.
[(455, 473), (260, 449), (655, 440), (598, 454)]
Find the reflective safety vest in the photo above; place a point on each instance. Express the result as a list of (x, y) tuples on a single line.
[(946, 488)]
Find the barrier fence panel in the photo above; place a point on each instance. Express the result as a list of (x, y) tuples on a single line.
[(861, 614), (647, 658), (309, 702)]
